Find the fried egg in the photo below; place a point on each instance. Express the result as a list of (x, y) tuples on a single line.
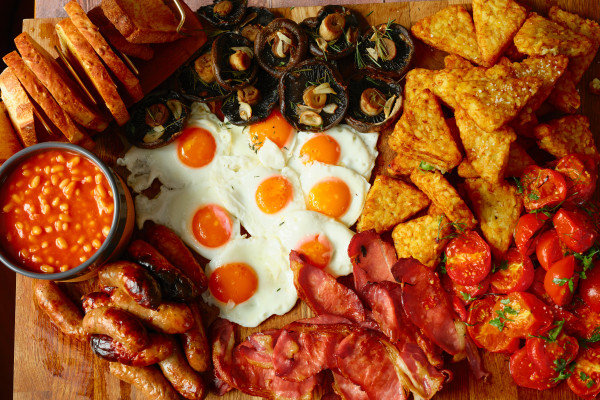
[(324, 241), (341, 145), (334, 191), (196, 214), (250, 281), (190, 158)]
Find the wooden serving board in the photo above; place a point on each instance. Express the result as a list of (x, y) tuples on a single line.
[(49, 365)]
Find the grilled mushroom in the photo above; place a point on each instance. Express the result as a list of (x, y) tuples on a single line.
[(333, 33), (375, 103), (156, 120), (234, 63), (313, 96), (386, 48), (224, 14), (280, 45), (254, 21)]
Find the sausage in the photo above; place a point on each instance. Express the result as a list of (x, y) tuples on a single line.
[(147, 380), (94, 300), (118, 324), (195, 343), (184, 379), (62, 311), (172, 247), (173, 283), (169, 317), (134, 280), (160, 347)]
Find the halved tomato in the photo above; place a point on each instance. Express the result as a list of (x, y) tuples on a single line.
[(528, 226), (552, 355), (549, 249), (468, 259), (525, 374), (581, 174), (485, 335), (587, 323), (521, 314), (585, 380), (542, 187), (560, 281), (574, 229), (589, 288), (466, 293), (515, 275)]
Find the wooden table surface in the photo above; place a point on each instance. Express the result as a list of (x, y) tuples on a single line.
[(49, 366)]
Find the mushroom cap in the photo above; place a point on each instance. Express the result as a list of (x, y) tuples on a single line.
[(237, 14), (256, 16), (264, 55), (338, 48), (221, 51), (267, 85), (405, 49)]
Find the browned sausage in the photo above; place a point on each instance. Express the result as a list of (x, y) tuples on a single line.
[(195, 344), (94, 300), (148, 380), (160, 347), (184, 379), (62, 311), (169, 317), (118, 324), (134, 280), (172, 247), (174, 284)]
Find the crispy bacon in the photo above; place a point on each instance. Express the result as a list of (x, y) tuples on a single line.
[(372, 258), (347, 389), (223, 341)]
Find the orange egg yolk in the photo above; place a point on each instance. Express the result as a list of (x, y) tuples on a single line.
[(330, 197), (317, 249), (196, 147), (273, 194), (322, 148), (275, 128), (233, 282), (211, 226)]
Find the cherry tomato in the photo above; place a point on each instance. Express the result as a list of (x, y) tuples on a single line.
[(468, 259), (549, 249), (560, 281), (585, 379), (574, 229), (516, 277), (485, 335), (525, 374), (466, 293), (550, 356), (537, 287), (586, 323), (581, 174), (525, 232), (459, 308), (542, 187), (589, 288), (520, 314)]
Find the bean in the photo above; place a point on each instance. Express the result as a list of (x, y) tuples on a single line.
[(61, 243), (35, 182)]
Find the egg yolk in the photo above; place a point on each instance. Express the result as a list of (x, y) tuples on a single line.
[(275, 128), (196, 147), (273, 194), (233, 282), (317, 249), (330, 197), (322, 148), (211, 225)]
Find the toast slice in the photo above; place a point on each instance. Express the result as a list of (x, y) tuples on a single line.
[(150, 21), (74, 44), (19, 107), (92, 34), (64, 90), (44, 99), (9, 143)]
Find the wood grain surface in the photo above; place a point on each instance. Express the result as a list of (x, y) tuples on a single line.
[(48, 365)]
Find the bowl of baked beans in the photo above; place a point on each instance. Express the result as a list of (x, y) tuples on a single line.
[(63, 212)]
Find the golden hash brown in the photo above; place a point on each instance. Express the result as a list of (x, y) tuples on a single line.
[(518, 160), (493, 103), (388, 203), (443, 195), (423, 238), (498, 208), (486, 151), (570, 134), (454, 61), (422, 133), (402, 164), (524, 123), (416, 80), (565, 96), (466, 170), (450, 30), (539, 37), (496, 23)]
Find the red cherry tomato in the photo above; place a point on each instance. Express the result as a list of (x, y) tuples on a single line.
[(459, 308), (516, 277), (525, 374), (466, 293), (525, 232), (560, 281), (537, 287), (589, 288), (574, 229), (485, 335), (542, 187), (468, 259), (549, 249), (585, 379), (549, 356), (586, 323), (520, 314), (581, 174)]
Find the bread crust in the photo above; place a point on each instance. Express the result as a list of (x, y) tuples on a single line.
[(92, 34), (9, 143), (73, 43), (19, 107)]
